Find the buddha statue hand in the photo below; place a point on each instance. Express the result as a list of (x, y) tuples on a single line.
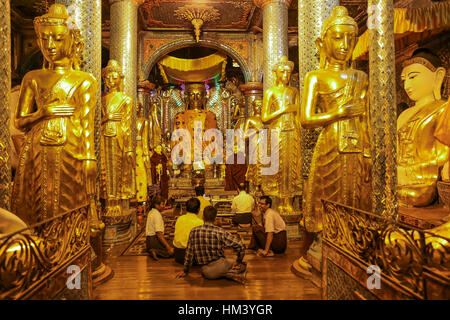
[(116, 116), (130, 157), (90, 169), (351, 109), (52, 111)]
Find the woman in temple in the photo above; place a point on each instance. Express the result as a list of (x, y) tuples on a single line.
[(57, 166), (335, 98), (421, 156)]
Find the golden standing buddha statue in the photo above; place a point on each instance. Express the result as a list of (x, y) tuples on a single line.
[(155, 133), (252, 127), (57, 167), (196, 94), (421, 156), (335, 98), (279, 112), (117, 153), (142, 155)]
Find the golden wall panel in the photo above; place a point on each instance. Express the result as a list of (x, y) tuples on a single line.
[(5, 87), (383, 109)]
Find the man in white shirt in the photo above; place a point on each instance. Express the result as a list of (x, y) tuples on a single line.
[(157, 245), (242, 205), (271, 237)]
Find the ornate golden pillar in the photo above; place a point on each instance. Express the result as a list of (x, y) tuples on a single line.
[(275, 35), (5, 88), (144, 89), (383, 107), (87, 15), (311, 14), (123, 49), (252, 91)]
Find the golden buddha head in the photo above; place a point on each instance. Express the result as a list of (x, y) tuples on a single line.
[(59, 39), (113, 76), (283, 70), (422, 75), (158, 149), (196, 95), (338, 36)]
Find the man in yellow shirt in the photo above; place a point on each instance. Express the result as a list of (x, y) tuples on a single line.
[(183, 227), (204, 202)]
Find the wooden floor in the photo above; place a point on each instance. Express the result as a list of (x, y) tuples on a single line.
[(141, 278)]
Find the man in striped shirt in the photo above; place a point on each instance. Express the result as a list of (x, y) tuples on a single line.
[(205, 248)]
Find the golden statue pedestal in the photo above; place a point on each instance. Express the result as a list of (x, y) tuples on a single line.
[(120, 229)]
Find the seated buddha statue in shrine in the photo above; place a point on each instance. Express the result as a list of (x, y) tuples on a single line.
[(195, 114), (421, 156)]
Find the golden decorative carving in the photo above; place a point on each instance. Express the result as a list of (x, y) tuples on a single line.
[(339, 167), (198, 15), (402, 253), (280, 112), (117, 153), (29, 256), (57, 166)]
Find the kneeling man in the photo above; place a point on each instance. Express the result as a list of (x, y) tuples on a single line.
[(205, 247)]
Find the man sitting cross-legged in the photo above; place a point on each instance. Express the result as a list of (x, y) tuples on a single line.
[(271, 237), (205, 247), (156, 243)]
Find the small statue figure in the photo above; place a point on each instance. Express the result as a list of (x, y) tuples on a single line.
[(57, 167), (155, 133), (279, 112), (252, 127), (142, 155), (421, 156), (335, 98), (117, 151), (160, 177)]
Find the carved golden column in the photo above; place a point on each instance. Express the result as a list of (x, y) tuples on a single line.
[(275, 35), (87, 15), (5, 88), (144, 89), (123, 49), (311, 14), (252, 91), (383, 107)]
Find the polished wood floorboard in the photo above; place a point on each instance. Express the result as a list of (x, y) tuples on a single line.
[(141, 278)]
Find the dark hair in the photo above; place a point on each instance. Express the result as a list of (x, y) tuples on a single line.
[(268, 200), (193, 205), (156, 200), (199, 190), (241, 186), (209, 214), (429, 55)]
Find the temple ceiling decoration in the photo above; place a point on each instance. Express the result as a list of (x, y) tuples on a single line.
[(165, 14), (175, 70)]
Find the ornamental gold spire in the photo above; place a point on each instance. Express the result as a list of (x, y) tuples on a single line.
[(197, 15)]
